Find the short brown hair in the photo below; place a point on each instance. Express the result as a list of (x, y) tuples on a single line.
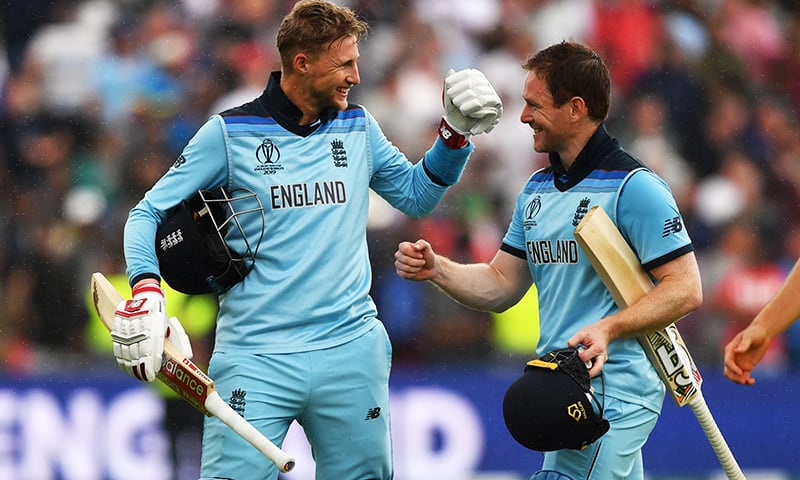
[(571, 69), (313, 25)]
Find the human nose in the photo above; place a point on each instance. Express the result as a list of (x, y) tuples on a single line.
[(526, 116), (354, 78)]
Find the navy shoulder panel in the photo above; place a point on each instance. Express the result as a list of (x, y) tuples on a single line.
[(253, 108)]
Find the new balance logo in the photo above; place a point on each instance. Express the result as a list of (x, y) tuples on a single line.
[(672, 225), (373, 413)]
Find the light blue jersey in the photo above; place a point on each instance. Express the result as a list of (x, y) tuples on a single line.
[(571, 294), (299, 338), (310, 285)]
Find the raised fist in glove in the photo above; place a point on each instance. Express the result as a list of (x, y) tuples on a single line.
[(140, 327), (471, 106)]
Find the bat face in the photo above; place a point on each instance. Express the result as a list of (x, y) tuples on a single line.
[(105, 299), (673, 359), (185, 378)]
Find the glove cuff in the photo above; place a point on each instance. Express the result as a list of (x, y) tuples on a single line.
[(147, 290), (451, 137)]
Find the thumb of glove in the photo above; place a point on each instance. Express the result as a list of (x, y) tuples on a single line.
[(176, 334)]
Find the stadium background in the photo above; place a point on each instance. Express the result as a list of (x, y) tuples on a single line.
[(97, 97)]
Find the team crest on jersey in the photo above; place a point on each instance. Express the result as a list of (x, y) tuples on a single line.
[(269, 158), (580, 212), (338, 153), (531, 210), (237, 401)]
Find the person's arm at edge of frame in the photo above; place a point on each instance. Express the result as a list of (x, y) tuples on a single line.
[(745, 351)]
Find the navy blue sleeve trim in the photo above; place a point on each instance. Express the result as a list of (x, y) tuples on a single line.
[(668, 257), (133, 281), (434, 178), (513, 251)]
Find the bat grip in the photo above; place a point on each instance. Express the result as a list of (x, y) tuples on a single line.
[(718, 443), (217, 407)]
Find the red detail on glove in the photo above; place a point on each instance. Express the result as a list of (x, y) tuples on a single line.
[(147, 288), (132, 308), (450, 137)]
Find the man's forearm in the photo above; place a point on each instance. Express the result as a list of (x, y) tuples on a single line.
[(478, 286)]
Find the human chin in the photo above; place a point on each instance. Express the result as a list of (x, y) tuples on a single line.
[(340, 97)]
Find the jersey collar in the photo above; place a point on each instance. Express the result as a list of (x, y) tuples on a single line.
[(600, 144), (275, 101)]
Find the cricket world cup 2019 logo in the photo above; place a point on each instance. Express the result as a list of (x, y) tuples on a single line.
[(531, 210), (269, 157)]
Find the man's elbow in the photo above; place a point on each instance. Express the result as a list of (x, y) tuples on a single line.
[(693, 299)]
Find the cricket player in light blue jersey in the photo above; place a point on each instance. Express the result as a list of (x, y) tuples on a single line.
[(299, 338), (567, 96)]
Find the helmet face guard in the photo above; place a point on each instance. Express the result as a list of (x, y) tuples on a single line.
[(551, 406), (193, 242)]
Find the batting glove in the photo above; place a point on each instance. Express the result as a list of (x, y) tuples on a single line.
[(138, 333), (178, 337), (471, 106)]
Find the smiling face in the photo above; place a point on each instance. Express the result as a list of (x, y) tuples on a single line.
[(332, 73), (550, 123), (323, 79)]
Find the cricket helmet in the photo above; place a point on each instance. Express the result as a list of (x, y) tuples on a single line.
[(193, 242), (551, 406)]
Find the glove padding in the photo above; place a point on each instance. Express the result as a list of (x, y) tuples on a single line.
[(471, 104), (138, 333), (178, 337)]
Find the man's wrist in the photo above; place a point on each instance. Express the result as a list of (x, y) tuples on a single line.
[(450, 136)]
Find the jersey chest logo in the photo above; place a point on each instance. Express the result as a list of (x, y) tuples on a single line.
[(268, 156)]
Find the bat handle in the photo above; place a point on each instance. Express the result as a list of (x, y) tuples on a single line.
[(700, 408), (217, 407)]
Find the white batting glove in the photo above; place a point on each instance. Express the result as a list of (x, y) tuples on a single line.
[(178, 337), (140, 326), (471, 104)]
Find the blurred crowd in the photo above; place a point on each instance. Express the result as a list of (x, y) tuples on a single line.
[(98, 97)]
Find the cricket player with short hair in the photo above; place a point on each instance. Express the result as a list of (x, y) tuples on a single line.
[(299, 339), (567, 97)]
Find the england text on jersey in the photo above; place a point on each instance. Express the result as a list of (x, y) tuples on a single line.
[(297, 195), (549, 251)]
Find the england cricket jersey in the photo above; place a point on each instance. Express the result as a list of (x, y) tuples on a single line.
[(310, 285), (571, 294)]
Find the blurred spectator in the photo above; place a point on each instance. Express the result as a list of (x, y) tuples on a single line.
[(747, 285), (652, 140), (626, 33), (672, 77), (751, 30), (62, 53)]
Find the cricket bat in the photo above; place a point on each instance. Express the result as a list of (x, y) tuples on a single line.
[(184, 377), (626, 280)]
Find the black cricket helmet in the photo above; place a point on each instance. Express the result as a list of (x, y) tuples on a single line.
[(550, 407), (192, 243)]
